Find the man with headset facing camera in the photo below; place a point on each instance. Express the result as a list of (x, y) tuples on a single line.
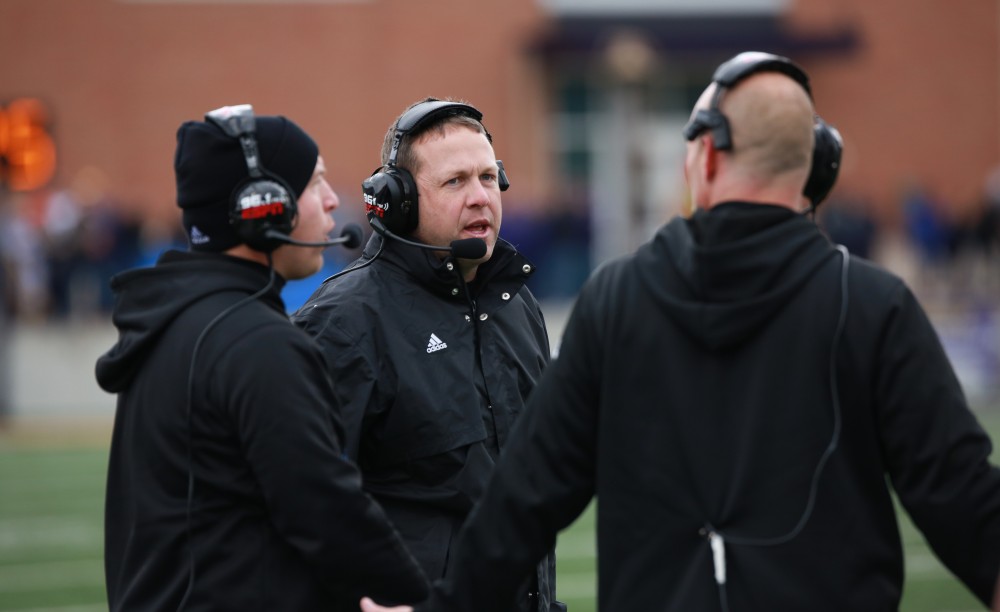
[(432, 336), (227, 486), (740, 395)]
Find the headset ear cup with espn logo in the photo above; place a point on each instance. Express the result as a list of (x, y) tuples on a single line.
[(260, 206), (391, 196), (263, 204)]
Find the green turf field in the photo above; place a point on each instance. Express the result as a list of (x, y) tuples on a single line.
[(51, 512)]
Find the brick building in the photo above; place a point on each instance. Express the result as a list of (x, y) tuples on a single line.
[(585, 98)]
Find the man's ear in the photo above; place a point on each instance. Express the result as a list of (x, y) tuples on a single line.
[(710, 163)]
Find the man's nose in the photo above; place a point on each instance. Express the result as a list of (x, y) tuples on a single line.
[(478, 195), (330, 199)]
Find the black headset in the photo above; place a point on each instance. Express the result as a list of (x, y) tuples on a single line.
[(828, 144), (262, 205), (390, 192)]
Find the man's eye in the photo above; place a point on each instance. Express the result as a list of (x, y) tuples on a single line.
[(488, 177)]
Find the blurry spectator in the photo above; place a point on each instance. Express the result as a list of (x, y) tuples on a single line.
[(89, 236), (109, 243), (567, 261), (60, 249), (927, 227), (5, 310), (986, 229), (558, 241), (108, 239), (157, 236), (846, 220), (61, 223), (23, 252), (5, 407)]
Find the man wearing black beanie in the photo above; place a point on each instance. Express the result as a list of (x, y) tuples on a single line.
[(227, 484)]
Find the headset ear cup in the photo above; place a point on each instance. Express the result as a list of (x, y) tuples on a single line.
[(827, 151), (407, 218), (391, 196), (259, 206)]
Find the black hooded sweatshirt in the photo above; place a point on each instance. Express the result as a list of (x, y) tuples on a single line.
[(739, 376), (227, 487)]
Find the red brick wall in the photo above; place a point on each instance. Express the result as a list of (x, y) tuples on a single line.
[(919, 98), (120, 77)]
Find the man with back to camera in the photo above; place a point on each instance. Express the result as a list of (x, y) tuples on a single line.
[(435, 343), (227, 488), (740, 394)]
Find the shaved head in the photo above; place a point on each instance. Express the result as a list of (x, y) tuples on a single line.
[(771, 118), (771, 123)]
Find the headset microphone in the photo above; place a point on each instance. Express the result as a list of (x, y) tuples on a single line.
[(467, 248), (350, 238)]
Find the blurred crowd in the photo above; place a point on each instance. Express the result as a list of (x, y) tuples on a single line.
[(949, 255), (60, 246), (938, 231)]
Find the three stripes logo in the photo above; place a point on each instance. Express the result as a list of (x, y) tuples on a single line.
[(435, 344)]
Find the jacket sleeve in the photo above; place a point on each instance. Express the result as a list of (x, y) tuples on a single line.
[(937, 454), (543, 481), (280, 400), (355, 390)]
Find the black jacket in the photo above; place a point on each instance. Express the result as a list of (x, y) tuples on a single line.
[(277, 517), (705, 384), (431, 374)]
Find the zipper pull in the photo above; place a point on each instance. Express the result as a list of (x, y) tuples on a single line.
[(718, 544), (718, 555)]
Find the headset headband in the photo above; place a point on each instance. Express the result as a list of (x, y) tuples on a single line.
[(828, 145), (238, 122), (727, 76), (262, 207), (426, 113), (390, 193), (751, 62)]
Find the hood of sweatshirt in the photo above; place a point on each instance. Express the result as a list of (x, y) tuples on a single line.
[(723, 273), (148, 300)]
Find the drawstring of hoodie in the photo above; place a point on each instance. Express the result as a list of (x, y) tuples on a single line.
[(716, 540)]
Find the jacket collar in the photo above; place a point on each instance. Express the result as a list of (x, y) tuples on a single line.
[(505, 272)]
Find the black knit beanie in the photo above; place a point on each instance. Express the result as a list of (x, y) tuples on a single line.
[(209, 165)]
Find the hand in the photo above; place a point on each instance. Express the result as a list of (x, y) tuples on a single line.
[(367, 605)]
